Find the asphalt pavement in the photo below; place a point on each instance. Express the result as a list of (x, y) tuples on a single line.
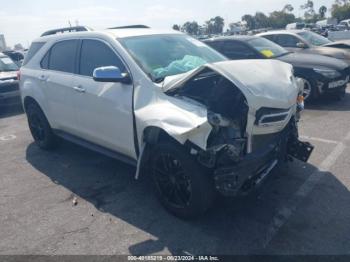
[(73, 201)]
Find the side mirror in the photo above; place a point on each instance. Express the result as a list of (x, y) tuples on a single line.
[(301, 45), (111, 74)]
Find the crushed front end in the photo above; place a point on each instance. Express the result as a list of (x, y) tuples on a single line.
[(248, 140)]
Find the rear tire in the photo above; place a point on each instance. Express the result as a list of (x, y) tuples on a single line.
[(183, 186), (40, 127)]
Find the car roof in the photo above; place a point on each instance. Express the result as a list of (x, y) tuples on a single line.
[(290, 32), (122, 33), (243, 38), (114, 33)]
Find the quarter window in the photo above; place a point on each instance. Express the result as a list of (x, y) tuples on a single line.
[(45, 61), (34, 48), (287, 41), (96, 54)]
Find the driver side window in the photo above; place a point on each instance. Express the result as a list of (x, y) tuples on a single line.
[(96, 54)]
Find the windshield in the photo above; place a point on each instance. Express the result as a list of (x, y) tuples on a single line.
[(165, 55), (6, 64), (267, 48), (314, 39)]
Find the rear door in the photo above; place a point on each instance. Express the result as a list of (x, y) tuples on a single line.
[(58, 67), (104, 110)]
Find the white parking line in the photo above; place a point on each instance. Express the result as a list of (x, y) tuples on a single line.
[(319, 139), (285, 212), (7, 137)]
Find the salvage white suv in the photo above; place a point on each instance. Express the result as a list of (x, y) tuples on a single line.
[(169, 104)]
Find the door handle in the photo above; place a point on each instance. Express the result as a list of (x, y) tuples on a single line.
[(79, 89)]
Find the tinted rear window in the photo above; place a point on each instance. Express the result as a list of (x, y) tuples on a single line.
[(62, 56), (34, 48)]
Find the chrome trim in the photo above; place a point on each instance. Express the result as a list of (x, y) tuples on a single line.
[(260, 122)]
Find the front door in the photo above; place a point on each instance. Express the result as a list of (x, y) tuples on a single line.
[(104, 110)]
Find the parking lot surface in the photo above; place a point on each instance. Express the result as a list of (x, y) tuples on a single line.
[(74, 201)]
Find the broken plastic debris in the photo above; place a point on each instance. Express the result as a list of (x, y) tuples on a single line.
[(75, 201)]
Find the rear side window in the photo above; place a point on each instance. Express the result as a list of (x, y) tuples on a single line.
[(270, 37), (215, 44), (96, 54), (236, 50), (62, 56), (287, 40), (34, 48)]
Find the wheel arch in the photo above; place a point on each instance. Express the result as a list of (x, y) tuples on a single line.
[(29, 100), (151, 135)]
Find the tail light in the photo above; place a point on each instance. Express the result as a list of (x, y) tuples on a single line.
[(18, 75)]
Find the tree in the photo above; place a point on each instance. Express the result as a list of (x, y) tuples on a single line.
[(219, 24), (288, 8), (309, 14), (250, 21), (279, 19), (191, 28), (341, 10), (176, 27), (215, 25), (261, 20), (322, 11)]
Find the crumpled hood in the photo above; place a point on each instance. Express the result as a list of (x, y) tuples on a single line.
[(265, 83)]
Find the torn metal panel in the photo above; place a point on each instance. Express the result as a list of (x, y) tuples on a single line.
[(180, 119), (272, 85)]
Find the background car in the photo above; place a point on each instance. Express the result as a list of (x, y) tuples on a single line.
[(9, 88), (310, 43), (16, 56), (345, 23), (321, 74)]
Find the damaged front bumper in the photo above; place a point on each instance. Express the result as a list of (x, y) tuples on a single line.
[(251, 169)]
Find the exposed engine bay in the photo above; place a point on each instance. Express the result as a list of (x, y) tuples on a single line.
[(227, 113)]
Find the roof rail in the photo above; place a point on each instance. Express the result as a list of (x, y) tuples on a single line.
[(129, 26), (67, 29)]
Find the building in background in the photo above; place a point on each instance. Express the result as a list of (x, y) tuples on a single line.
[(2, 43)]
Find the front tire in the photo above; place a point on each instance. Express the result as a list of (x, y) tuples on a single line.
[(311, 92), (181, 184), (40, 127)]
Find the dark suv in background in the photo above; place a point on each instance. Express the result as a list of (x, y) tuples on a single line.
[(321, 74)]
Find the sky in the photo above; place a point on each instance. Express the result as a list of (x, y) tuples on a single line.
[(21, 21)]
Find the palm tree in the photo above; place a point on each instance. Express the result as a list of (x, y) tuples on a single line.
[(322, 11)]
